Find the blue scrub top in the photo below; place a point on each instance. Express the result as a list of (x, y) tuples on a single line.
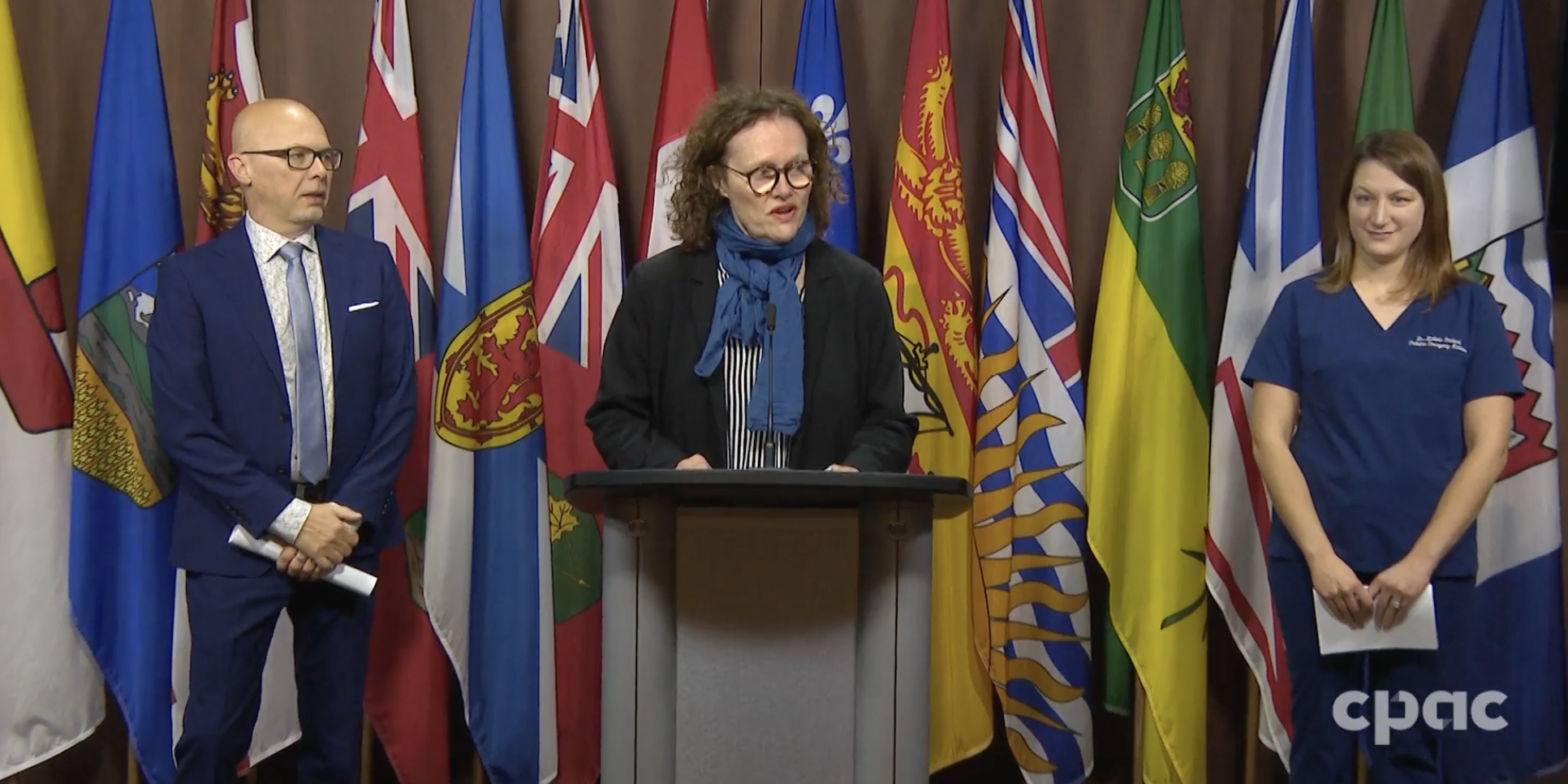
[(1382, 423)]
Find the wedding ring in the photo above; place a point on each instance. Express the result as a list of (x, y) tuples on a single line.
[(1396, 604)]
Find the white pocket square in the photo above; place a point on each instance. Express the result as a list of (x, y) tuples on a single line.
[(363, 305)]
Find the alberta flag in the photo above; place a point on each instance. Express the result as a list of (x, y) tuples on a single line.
[(1498, 233), (819, 77), (487, 567), (122, 489)]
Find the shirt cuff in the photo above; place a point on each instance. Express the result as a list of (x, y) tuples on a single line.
[(290, 520)]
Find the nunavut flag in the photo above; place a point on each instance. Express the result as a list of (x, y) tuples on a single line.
[(927, 277), (53, 693)]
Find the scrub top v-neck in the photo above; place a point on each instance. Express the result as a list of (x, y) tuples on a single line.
[(1382, 411)]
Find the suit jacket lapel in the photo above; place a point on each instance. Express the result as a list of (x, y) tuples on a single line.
[(821, 304), (705, 292), (335, 276), (243, 281)]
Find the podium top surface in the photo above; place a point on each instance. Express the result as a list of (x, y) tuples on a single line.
[(775, 488)]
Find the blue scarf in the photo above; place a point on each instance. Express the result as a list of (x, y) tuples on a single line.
[(762, 272)]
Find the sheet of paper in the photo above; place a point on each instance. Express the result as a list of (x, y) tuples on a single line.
[(342, 575), (1418, 631)]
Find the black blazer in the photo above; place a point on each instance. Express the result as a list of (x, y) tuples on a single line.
[(653, 410)]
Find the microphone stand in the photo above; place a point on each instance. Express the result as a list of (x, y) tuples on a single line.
[(771, 457)]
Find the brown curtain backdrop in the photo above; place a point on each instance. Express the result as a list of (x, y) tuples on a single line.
[(316, 51)]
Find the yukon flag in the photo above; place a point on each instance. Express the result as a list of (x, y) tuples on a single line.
[(819, 78), (577, 240), (487, 568), (1280, 242), (1498, 233), (406, 684), (688, 82), (927, 276), (233, 82), (1029, 437), (53, 694)]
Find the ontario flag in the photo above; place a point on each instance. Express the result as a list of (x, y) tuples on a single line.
[(688, 82), (406, 684), (577, 244), (233, 82)]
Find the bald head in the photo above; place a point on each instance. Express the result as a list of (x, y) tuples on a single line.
[(282, 161), (259, 126)]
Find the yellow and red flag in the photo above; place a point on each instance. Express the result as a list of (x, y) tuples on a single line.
[(927, 274)]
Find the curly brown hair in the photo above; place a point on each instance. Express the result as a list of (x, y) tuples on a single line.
[(696, 203)]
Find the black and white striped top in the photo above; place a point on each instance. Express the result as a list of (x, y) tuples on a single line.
[(747, 449)]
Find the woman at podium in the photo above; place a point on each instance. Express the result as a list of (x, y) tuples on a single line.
[(752, 343)]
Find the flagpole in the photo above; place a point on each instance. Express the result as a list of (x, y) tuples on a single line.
[(364, 750), (1137, 729), (133, 774), (479, 769), (1254, 705)]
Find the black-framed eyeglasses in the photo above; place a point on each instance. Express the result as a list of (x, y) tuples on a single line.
[(764, 179), (303, 157)]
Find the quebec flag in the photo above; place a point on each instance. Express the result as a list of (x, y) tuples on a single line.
[(819, 78), (1498, 233)]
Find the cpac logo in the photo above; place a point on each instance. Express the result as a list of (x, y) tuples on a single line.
[(1382, 722)]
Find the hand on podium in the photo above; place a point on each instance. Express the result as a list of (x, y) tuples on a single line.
[(840, 467), (695, 461)]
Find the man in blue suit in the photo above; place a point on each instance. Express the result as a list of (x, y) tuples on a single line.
[(281, 357)]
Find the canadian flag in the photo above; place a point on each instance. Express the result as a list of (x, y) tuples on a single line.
[(688, 83)]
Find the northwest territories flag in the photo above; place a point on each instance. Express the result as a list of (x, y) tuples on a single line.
[(1498, 233)]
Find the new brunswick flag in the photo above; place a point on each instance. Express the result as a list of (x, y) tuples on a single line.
[(927, 276), (1147, 452)]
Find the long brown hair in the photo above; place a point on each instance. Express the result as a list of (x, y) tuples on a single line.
[(1429, 266), (696, 203)]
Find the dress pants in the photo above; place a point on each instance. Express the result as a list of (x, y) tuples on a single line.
[(231, 621), (1324, 753)]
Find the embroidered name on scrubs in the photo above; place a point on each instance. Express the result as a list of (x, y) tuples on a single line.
[(1435, 342)]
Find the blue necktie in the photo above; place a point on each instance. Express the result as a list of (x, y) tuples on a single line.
[(310, 421)]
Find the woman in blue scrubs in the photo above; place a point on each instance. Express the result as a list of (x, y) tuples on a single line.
[(1381, 415)]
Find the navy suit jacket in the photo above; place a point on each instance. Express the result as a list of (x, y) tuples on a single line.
[(223, 411)]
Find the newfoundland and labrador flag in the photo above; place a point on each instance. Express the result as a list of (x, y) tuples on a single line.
[(487, 567), (1498, 233)]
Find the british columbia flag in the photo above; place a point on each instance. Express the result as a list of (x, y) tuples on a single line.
[(406, 690), (579, 270), (1029, 514)]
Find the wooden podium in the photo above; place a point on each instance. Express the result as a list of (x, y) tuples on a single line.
[(766, 626)]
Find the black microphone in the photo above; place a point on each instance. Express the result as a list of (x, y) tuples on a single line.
[(771, 457)]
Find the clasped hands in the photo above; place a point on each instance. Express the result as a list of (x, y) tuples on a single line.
[(1386, 601), (329, 534), (697, 461)]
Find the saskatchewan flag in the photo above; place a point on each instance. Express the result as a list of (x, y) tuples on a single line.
[(1385, 89), (1147, 418)]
